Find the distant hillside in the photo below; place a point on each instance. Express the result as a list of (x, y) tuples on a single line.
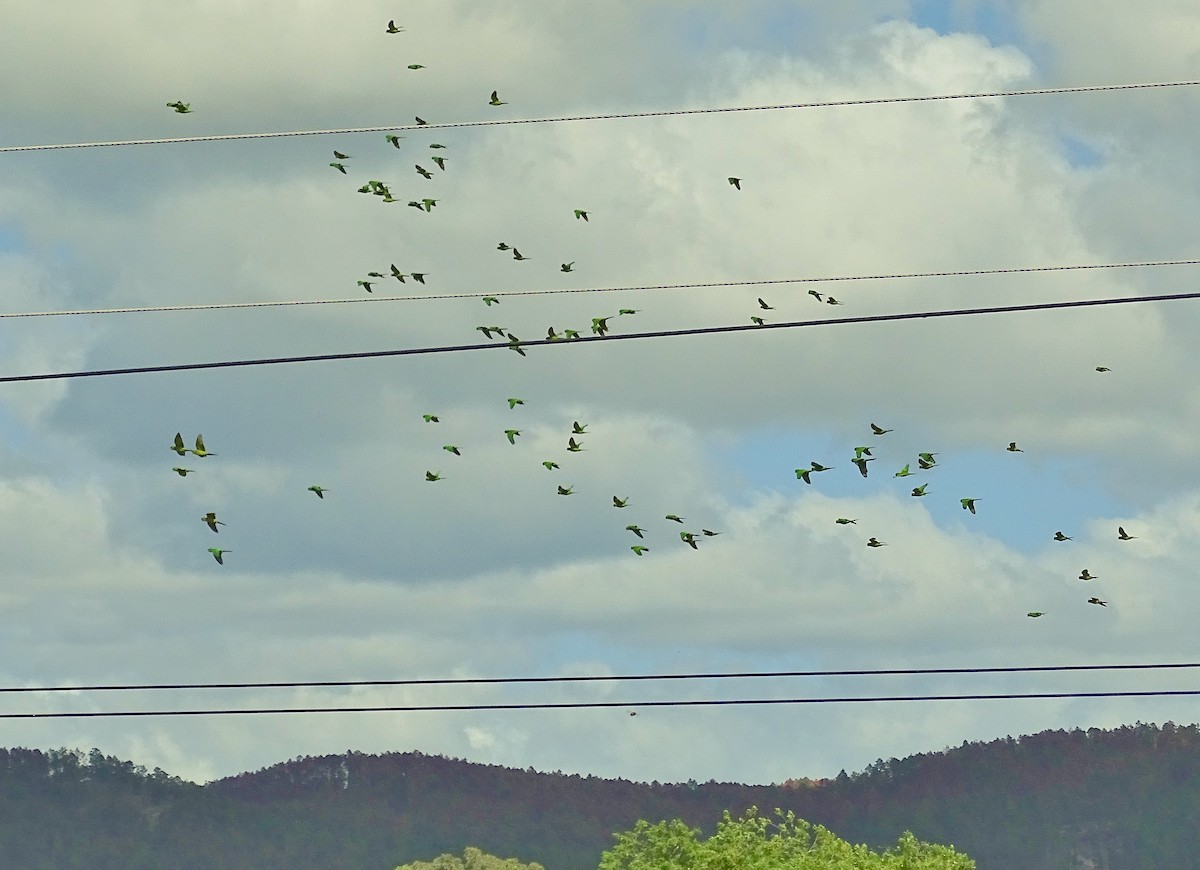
[(1123, 799)]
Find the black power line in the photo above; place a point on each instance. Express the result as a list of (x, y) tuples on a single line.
[(596, 678), (707, 330), (582, 705), (650, 114)]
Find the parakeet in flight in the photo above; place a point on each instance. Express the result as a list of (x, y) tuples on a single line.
[(566, 490), (496, 101), (439, 161), (674, 518), (1034, 614), (217, 553), (1094, 600), (1122, 536), (200, 450), (517, 255), (178, 445), (620, 502), (338, 155), (430, 418), (580, 213), (513, 401), (638, 549), (1059, 536), (968, 504), (637, 530), (423, 172), (574, 446), (803, 474), (919, 491), (550, 464), (319, 490), (568, 267), (512, 434), (451, 448), (845, 521), (689, 539), (211, 520), (182, 472), (878, 430), (903, 472), (861, 462), (736, 182), (1085, 575), (339, 167), (416, 66), (1103, 369), (874, 543), (764, 306), (1013, 448), (393, 139), (180, 108), (392, 28), (578, 428)]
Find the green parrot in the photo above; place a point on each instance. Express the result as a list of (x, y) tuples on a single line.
[(211, 520), (815, 295), (860, 452), (217, 553), (512, 435), (1059, 536), (201, 450), (574, 446), (757, 321), (709, 533), (639, 549), (874, 543), (397, 274), (178, 445), (803, 474), (513, 401), (423, 172), (927, 457), (968, 504), (1085, 575), (568, 267), (816, 466), (504, 246), (628, 311), (832, 301), (903, 472), (496, 101), (428, 204), (1103, 369), (515, 344), (180, 108), (620, 502), (919, 491), (580, 213), (736, 182), (517, 255), (764, 306), (600, 325), (339, 167), (1097, 601), (393, 139), (674, 518), (392, 28), (431, 476), (416, 66), (419, 277), (420, 121), (637, 530), (319, 490), (566, 490), (578, 428), (490, 331), (434, 144), (862, 464), (430, 418), (689, 539), (366, 285), (845, 521), (1034, 614), (450, 448), (550, 464), (877, 430), (440, 162), (1013, 448), (1122, 536), (182, 472)]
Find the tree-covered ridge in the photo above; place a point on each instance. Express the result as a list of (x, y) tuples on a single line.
[(472, 859), (1123, 798)]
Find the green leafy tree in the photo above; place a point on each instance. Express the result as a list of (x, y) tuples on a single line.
[(755, 842), (472, 859)]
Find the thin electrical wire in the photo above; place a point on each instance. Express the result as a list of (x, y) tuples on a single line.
[(596, 678), (587, 705), (219, 306), (706, 330), (501, 122)]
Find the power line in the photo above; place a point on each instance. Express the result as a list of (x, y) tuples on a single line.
[(220, 306), (596, 678), (603, 117), (585, 705), (706, 330)]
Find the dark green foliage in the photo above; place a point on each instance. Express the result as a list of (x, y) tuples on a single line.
[(1126, 798)]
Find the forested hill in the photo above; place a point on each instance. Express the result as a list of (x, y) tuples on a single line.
[(1125, 798)]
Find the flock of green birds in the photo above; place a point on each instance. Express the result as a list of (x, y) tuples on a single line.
[(926, 462), (863, 454)]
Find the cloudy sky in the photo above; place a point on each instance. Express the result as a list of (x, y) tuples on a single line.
[(489, 571)]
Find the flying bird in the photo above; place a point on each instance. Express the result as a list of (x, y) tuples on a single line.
[(580, 213), (757, 321), (861, 462), (339, 167), (180, 108), (517, 255), (927, 458), (814, 294), (877, 430), (919, 491), (674, 518), (178, 445), (620, 502), (428, 204), (736, 182), (430, 418), (832, 301), (574, 446), (392, 28), (1103, 369), (1095, 600), (420, 121), (450, 448), (968, 504), (1059, 536), (637, 530), (431, 476), (763, 305), (874, 543), (366, 285), (860, 452), (628, 311), (496, 101), (568, 267), (397, 274), (419, 277), (1013, 448), (513, 401), (423, 172), (1084, 575), (550, 464), (638, 549), (440, 161), (903, 472), (845, 521), (319, 490), (816, 466), (803, 474), (201, 450), (211, 519), (416, 66), (566, 490), (393, 139), (600, 325), (1122, 536), (503, 246), (182, 472), (689, 539), (217, 553), (338, 155), (1034, 614), (512, 435)]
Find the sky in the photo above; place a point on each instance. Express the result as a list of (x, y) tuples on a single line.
[(489, 572)]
